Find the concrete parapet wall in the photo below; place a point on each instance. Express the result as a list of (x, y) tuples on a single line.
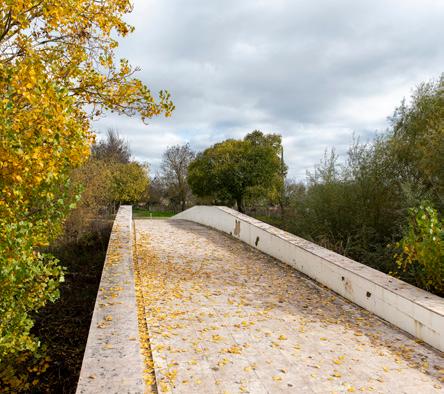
[(414, 310), (112, 362)]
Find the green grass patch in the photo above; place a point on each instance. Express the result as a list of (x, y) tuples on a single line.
[(139, 213)]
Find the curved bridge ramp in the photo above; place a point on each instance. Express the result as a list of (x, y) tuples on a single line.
[(224, 318)]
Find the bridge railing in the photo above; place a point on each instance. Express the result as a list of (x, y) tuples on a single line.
[(112, 362)]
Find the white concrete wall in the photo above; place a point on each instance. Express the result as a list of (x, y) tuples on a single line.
[(414, 310), (113, 362)]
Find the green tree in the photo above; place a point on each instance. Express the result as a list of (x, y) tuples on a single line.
[(417, 142), (228, 170)]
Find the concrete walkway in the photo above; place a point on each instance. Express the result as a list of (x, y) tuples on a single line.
[(225, 318)]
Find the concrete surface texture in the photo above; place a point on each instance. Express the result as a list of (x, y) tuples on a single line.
[(414, 310), (224, 318), (112, 362)]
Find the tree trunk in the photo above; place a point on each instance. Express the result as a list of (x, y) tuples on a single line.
[(182, 199), (240, 205)]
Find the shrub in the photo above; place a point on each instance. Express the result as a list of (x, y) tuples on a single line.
[(421, 250)]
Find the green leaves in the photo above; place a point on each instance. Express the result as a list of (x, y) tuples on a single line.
[(129, 182), (228, 170), (417, 140), (421, 250), (28, 280)]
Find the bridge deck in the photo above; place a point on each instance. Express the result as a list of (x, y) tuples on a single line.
[(223, 317)]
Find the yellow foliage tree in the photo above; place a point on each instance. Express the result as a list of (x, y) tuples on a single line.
[(129, 182), (57, 73)]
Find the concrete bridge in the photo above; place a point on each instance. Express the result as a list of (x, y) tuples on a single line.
[(213, 301)]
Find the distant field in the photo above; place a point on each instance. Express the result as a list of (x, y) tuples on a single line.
[(139, 213)]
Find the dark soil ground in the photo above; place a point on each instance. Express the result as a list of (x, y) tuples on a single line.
[(64, 325)]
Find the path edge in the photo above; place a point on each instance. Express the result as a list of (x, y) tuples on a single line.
[(113, 362)]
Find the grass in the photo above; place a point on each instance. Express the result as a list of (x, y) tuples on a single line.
[(139, 213)]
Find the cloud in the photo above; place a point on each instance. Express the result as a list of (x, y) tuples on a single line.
[(315, 72)]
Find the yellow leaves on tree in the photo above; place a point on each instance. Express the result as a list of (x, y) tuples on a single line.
[(129, 182), (74, 44), (42, 135), (57, 72)]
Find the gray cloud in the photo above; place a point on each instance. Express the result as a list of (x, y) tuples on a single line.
[(314, 71)]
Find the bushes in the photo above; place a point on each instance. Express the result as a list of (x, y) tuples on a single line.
[(421, 250), (373, 199), (350, 208), (62, 326), (107, 179)]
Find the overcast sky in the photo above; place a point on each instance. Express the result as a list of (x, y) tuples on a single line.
[(314, 71)]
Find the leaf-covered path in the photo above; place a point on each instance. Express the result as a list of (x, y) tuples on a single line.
[(225, 318)]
